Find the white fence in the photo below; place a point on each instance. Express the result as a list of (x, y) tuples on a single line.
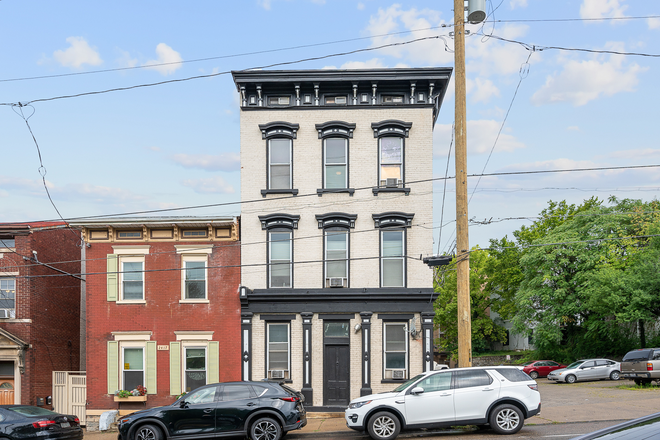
[(70, 393)]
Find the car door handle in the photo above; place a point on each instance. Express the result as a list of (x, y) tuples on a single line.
[(208, 410), (487, 389), (445, 395), (251, 404)]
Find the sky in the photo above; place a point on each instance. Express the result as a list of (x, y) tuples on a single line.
[(545, 91)]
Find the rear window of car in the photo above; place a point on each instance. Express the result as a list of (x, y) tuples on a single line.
[(637, 355), (513, 374), (474, 378), (31, 411)]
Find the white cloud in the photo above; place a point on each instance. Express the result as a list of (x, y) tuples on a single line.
[(125, 59), (602, 8), (481, 90), (486, 57), (481, 136), (213, 185), (573, 128), (640, 153), (78, 54), (518, 4), (654, 23), (583, 81), (168, 58), (361, 6), (374, 63), (220, 162), (264, 4)]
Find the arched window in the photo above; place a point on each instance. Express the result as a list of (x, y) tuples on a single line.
[(335, 137), (279, 138), (391, 155)]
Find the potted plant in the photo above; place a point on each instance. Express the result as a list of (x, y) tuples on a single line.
[(138, 394)]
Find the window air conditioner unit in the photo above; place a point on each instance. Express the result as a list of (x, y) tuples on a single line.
[(392, 182), (4, 313), (277, 374), (336, 281), (398, 374)]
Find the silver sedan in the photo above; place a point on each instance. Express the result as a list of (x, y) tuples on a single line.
[(587, 369)]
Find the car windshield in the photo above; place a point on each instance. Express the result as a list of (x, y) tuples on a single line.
[(32, 411), (405, 385), (637, 355), (574, 365)]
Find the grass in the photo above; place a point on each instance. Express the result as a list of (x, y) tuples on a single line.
[(633, 386)]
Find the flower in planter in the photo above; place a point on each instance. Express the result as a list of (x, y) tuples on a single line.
[(138, 391)]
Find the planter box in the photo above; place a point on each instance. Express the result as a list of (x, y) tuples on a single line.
[(131, 399)]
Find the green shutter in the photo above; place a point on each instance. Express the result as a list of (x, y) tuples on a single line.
[(112, 276), (175, 368), (151, 368), (214, 362), (113, 366)]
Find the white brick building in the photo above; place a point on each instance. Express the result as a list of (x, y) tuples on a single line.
[(335, 299)]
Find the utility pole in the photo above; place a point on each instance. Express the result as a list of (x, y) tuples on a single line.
[(462, 240)]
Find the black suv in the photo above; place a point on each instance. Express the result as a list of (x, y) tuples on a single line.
[(262, 410)]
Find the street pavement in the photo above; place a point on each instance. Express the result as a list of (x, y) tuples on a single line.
[(597, 401)]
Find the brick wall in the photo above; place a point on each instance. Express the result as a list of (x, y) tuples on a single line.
[(162, 314)]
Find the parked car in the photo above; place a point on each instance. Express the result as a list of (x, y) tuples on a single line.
[(502, 397), (647, 427), (260, 410), (26, 422), (538, 369), (642, 366), (587, 369)]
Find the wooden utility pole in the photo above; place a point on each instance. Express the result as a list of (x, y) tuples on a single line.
[(462, 240)]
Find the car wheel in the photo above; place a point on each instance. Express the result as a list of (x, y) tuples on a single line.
[(571, 378), (615, 375), (506, 419), (148, 432), (265, 428), (383, 426), (534, 375)]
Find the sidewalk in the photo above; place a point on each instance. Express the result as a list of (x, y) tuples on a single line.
[(561, 403)]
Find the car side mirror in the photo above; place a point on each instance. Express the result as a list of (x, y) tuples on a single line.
[(417, 390), (183, 404)]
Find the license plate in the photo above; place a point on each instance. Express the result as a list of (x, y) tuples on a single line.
[(65, 424)]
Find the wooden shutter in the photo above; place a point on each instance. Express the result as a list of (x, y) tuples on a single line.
[(150, 381), (112, 277), (214, 362), (175, 368), (113, 366)]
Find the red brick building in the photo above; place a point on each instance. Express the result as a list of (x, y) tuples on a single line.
[(39, 308), (162, 307)]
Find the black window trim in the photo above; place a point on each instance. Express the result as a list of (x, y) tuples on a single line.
[(384, 323), (391, 128), (278, 130), (275, 319)]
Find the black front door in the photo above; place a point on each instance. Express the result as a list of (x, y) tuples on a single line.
[(336, 375)]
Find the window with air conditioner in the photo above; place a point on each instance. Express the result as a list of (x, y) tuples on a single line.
[(7, 298), (336, 257), (390, 161), (395, 350), (278, 352)]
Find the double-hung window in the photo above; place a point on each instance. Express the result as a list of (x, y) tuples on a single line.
[(395, 350), (132, 371), (336, 257), (194, 271), (280, 258), (335, 160), (195, 367), (7, 297), (278, 351), (391, 161), (393, 263), (131, 278), (279, 163)]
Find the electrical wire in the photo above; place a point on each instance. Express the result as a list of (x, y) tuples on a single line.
[(444, 189)]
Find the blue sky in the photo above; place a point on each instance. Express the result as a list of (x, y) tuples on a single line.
[(177, 144)]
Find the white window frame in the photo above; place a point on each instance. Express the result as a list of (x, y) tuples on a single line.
[(326, 164), (327, 259), (402, 257), (271, 163), (287, 372), (381, 180), (10, 276), (194, 345), (131, 259), (270, 259), (388, 371), (188, 259), (122, 347)]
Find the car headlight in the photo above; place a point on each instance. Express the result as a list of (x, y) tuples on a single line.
[(355, 405)]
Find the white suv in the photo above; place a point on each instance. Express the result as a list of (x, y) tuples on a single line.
[(499, 396)]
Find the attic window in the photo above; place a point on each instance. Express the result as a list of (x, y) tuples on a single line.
[(7, 242), (195, 233), (389, 99), (279, 100), (335, 100), (129, 235)]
